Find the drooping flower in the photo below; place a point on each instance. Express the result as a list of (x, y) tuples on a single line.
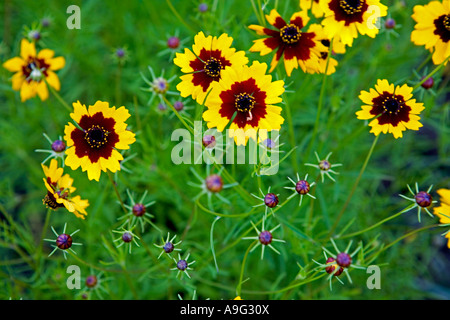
[(443, 211), (432, 29), (297, 45), (33, 70), (204, 64), (93, 144), (344, 19), (392, 107), (60, 191), (249, 93)]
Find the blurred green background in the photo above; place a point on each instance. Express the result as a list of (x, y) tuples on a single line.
[(415, 268)]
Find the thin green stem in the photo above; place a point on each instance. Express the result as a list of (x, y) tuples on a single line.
[(41, 244), (350, 235), (320, 103), (239, 287), (355, 185), (375, 254), (117, 192), (175, 12), (59, 98), (179, 116), (439, 67)]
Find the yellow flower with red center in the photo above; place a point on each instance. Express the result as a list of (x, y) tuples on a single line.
[(203, 65), (297, 46), (249, 93), (443, 211), (344, 19), (432, 29), (60, 190), (392, 107), (33, 70), (92, 144)]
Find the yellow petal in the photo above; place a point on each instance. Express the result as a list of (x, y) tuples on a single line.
[(27, 49), (14, 64)]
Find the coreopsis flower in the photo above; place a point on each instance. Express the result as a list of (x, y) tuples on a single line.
[(249, 93), (93, 144), (344, 19), (326, 64), (297, 45), (204, 64), (392, 108), (314, 6), (443, 211), (60, 191), (33, 70), (432, 29)]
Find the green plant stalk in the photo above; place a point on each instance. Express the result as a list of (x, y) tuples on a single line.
[(376, 224), (59, 98), (175, 12), (355, 185), (117, 192), (320, 103), (41, 243), (239, 286), (375, 254), (439, 67)]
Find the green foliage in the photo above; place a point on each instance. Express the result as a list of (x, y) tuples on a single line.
[(413, 257)]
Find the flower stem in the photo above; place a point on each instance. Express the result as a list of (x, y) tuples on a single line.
[(178, 116), (175, 12), (354, 186), (376, 224), (41, 244), (59, 98), (239, 287), (320, 103), (117, 192), (439, 67)]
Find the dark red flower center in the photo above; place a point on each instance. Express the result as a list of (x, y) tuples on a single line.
[(390, 109), (35, 69), (447, 22), (391, 105), (96, 136), (442, 25), (351, 6), (212, 67), (244, 102), (290, 33), (50, 201)]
